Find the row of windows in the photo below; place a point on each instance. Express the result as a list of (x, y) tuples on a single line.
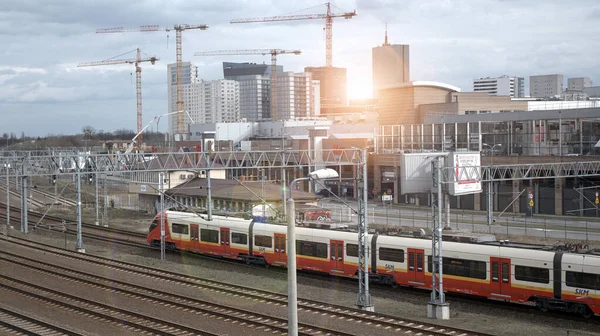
[(462, 267)]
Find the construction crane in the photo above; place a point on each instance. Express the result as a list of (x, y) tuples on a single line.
[(138, 76), (178, 28), (328, 16), (273, 52)]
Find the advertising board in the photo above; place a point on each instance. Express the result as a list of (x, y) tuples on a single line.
[(467, 173)]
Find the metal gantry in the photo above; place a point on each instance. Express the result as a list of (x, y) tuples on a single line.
[(364, 297), (437, 307)]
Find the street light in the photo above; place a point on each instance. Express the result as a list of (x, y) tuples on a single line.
[(291, 248), (492, 150)]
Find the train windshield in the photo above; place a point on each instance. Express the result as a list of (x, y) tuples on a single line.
[(153, 225)]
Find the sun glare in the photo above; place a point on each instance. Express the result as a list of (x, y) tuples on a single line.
[(360, 88)]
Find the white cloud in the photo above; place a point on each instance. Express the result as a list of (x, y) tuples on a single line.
[(451, 41)]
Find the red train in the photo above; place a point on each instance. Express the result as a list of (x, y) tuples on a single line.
[(553, 280)]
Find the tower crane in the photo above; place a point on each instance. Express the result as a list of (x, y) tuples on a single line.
[(138, 76), (273, 52), (178, 28), (328, 16)]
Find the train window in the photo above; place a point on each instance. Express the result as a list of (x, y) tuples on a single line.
[(352, 250), (239, 238), (311, 249), (263, 241), (153, 225), (495, 271), (391, 254), (209, 236), (180, 228), (532, 274), (583, 280), (462, 267)]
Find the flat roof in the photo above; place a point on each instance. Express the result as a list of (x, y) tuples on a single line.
[(423, 84), (580, 113)]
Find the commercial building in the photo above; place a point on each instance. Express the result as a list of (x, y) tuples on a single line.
[(546, 86), (578, 83), (189, 75), (255, 97), (391, 65), (500, 86), (400, 103), (333, 84), (294, 95), (209, 101)]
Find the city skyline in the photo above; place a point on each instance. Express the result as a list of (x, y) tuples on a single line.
[(42, 92)]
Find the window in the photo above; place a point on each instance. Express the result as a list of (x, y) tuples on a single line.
[(532, 274), (153, 225), (239, 238), (209, 236), (311, 249), (583, 280), (264, 241), (462, 267), (391, 254), (180, 228), (495, 271), (352, 250)]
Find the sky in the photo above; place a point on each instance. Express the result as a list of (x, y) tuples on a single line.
[(43, 92)]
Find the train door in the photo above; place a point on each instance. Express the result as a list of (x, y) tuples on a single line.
[(416, 271), (194, 237), (225, 241), (280, 248), (337, 256), (500, 277)]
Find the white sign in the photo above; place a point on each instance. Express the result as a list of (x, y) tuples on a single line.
[(143, 188), (386, 197), (596, 194), (531, 196), (466, 177)]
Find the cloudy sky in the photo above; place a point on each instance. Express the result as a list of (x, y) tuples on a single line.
[(453, 41)]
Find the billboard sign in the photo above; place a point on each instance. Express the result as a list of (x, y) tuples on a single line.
[(466, 177)]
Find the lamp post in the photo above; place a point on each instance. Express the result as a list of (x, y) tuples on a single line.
[(490, 204), (291, 248)]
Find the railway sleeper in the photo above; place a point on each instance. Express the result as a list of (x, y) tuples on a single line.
[(545, 304)]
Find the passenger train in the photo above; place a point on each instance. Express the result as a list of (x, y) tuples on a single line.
[(553, 280)]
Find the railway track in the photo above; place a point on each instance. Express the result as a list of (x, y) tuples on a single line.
[(46, 195), (384, 323), (14, 323)]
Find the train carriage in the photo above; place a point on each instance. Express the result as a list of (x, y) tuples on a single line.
[(554, 280)]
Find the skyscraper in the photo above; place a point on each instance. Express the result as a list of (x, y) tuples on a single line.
[(333, 84), (233, 70), (391, 65), (189, 75)]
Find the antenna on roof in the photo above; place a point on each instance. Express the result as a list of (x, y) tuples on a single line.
[(386, 43)]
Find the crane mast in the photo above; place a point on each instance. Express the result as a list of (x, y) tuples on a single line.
[(274, 53), (138, 77), (179, 28)]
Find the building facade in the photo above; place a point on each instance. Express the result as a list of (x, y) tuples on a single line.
[(333, 84), (501, 86), (578, 84), (546, 86), (209, 101), (189, 75), (295, 95), (232, 70), (255, 97), (391, 65)]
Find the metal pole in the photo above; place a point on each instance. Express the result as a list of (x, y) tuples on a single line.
[(56, 189), (208, 196), (291, 269), (262, 191), (7, 199), (97, 207), (283, 184), (447, 201), (364, 297), (79, 245), (105, 217), (161, 176), (490, 204), (24, 226)]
